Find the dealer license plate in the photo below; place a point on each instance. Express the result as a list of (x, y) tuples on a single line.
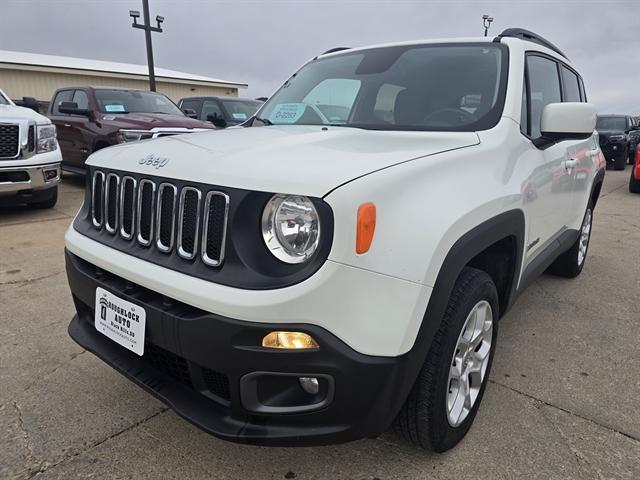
[(120, 320)]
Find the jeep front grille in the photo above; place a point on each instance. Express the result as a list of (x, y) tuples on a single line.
[(163, 216), (9, 140)]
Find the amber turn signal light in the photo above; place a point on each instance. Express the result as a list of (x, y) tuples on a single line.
[(366, 227), (289, 340)]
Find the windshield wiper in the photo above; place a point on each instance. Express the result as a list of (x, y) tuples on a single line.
[(266, 121)]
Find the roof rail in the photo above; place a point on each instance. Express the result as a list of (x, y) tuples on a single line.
[(529, 36), (336, 49)]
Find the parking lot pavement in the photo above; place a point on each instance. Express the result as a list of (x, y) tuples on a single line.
[(563, 400)]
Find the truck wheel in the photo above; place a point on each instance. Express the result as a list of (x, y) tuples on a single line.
[(49, 202), (634, 183), (571, 262), (445, 398), (620, 162)]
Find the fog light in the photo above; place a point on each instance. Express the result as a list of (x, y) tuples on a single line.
[(50, 174), (289, 340), (310, 385)]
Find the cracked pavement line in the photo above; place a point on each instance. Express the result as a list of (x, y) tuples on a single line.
[(562, 409), (65, 458)]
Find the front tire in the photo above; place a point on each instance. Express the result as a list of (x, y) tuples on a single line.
[(447, 393), (49, 201), (571, 262)]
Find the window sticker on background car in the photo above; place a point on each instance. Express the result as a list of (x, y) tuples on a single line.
[(287, 112), (114, 108), (239, 116)]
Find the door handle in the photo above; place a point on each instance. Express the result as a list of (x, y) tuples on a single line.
[(570, 164), (67, 124)]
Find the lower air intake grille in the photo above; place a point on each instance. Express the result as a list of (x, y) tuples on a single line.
[(216, 382), (168, 363)]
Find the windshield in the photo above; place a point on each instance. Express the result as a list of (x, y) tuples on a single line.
[(127, 101), (457, 87), (611, 123), (240, 110)]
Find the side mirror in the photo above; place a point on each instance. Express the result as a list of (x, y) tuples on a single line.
[(71, 108), (566, 121), (218, 121), (190, 112), (32, 103)]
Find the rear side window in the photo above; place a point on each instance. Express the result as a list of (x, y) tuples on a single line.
[(571, 85), (80, 97), (544, 88), (191, 104), (63, 96)]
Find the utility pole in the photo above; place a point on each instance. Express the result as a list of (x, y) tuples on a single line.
[(135, 14), (486, 22)]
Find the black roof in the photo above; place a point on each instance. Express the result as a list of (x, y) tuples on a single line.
[(529, 36)]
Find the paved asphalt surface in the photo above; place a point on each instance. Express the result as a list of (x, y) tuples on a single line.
[(563, 400)]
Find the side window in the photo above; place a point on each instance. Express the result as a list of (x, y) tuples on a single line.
[(583, 93), (544, 88), (210, 107), (191, 104), (524, 110), (571, 85), (63, 96), (80, 97)]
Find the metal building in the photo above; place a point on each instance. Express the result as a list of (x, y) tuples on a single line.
[(37, 75)]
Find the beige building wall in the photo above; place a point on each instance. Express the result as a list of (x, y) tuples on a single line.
[(41, 82)]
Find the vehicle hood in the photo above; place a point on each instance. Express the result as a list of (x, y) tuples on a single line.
[(306, 160), (15, 113), (147, 121)]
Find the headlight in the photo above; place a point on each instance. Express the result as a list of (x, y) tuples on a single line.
[(617, 138), (291, 228), (133, 135), (46, 138)]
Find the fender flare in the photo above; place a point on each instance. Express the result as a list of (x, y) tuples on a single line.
[(508, 224)]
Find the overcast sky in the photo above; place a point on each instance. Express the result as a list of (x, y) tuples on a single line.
[(261, 42)]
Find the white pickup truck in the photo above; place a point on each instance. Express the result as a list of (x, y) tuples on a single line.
[(29, 157)]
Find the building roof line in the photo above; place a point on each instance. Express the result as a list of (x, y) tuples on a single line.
[(101, 66)]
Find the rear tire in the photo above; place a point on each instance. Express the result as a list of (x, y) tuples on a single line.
[(425, 420), (620, 162), (571, 262), (634, 183), (49, 202)]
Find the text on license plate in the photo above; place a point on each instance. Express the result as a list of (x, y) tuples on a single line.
[(120, 320)]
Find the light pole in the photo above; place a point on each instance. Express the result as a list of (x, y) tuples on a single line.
[(135, 14), (486, 21)]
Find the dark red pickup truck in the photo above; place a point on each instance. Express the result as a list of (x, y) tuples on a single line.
[(88, 119)]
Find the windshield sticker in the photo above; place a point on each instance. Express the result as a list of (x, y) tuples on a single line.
[(239, 116), (287, 112), (114, 108)]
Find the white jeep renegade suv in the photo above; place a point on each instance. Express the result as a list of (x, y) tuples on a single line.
[(340, 262)]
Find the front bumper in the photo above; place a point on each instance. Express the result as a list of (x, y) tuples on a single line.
[(20, 179), (200, 364)]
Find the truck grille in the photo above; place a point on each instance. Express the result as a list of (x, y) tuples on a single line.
[(162, 216), (9, 140)]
